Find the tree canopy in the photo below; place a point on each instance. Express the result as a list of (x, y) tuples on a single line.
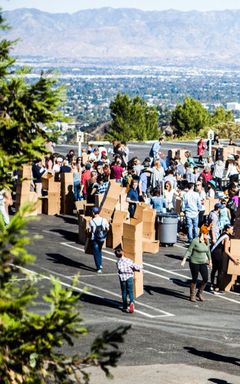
[(190, 116), (133, 119)]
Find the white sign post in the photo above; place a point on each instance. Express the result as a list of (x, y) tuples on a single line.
[(80, 140), (210, 139)]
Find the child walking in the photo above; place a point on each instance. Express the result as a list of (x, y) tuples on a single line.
[(126, 268)]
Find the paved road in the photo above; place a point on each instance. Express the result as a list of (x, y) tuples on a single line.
[(142, 149), (166, 327), (139, 149)]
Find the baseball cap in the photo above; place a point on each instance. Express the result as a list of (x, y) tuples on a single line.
[(218, 206), (95, 210)]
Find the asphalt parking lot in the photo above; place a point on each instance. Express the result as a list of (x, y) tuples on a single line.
[(166, 327)]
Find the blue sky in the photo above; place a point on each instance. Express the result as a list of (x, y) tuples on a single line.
[(75, 5)]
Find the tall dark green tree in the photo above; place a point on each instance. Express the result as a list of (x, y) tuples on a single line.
[(30, 347), (133, 119), (190, 116)]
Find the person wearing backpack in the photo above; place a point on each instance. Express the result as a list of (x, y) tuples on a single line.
[(98, 228)]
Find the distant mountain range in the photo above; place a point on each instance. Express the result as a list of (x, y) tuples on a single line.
[(126, 33)]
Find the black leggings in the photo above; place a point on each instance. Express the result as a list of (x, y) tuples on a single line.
[(195, 269), (220, 263)]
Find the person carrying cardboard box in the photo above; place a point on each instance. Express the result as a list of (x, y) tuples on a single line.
[(126, 269)]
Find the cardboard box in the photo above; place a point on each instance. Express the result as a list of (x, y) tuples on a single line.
[(132, 245), (49, 183), (82, 228), (24, 187), (106, 213), (114, 190), (136, 257), (123, 200), (138, 284), (80, 206), (150, 246), (99, 199), (209, 205), (66, 183), (132, 229), (120, 217), (68, 204), (67, 178), (148, 226), (114, 236), (110, 203), (26, 172), (149, 235), (30, 197), (51, 204), (232, 268)]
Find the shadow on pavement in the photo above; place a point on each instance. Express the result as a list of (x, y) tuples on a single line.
[(164, 291), (214, 356), (101, 301), (60, 259), (69, 220), (67, 235), (218, 381), (181, 283), (171, 256)]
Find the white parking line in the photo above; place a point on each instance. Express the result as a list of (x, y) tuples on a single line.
[(158, 268), (163, 313)]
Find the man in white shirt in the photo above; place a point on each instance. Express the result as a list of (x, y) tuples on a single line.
[(192, 206), (98, 227)]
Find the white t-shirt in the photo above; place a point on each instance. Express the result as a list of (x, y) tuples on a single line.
[(98, 220)]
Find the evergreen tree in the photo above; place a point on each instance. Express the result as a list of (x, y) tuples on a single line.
[(190, 116), (220, 115), (133, 119), (30, 342)]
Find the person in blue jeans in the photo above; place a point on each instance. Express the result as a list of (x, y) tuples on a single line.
[(126, 268), (97, 242), (192, 206)]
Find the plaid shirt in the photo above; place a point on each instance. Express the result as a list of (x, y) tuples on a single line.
[(126, 267)]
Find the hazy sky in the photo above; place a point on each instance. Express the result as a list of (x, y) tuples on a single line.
[(76, 5)]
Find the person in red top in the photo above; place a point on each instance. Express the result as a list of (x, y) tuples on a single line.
[(206, 175), (201, 146), (117, 169), (85, 177)]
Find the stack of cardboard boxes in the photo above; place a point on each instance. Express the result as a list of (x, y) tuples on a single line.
[(67, 194), (82, 228), (24, 194), (226, 151), (133, 249), (111, 200), (51, 203), (147, 216), (115, 234)]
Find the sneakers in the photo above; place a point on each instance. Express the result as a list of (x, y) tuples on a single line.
[(131, 308), (211, 288), (99, 271)]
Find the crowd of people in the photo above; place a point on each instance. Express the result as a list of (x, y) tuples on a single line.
[(169, 182)]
